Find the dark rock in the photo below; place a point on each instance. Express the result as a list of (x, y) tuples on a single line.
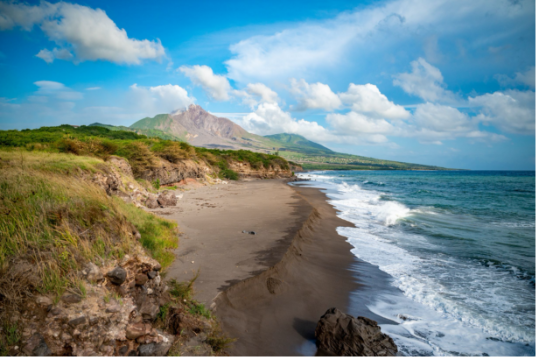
[(55, 311), (71, 298), (133, 353), (157, 267), (341, 334), (141, 279), (36, 346), (152, 274), (123, 350), (156, 349), (151, 202), (117, 276), (167, 199), (78, 321)]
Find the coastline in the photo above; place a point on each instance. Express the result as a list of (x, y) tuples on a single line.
[(269, 290), (275, 312)]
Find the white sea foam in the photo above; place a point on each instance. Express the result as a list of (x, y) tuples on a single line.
[(454, 306)]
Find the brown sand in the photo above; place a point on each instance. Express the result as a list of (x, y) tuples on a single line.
[(212, 219), (269, 289)]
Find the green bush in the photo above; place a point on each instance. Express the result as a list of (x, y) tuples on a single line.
[(229, 174)]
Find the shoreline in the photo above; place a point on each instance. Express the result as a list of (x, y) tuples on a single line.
[(270, 289)]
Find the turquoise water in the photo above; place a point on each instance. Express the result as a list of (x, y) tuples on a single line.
[(459, 248)]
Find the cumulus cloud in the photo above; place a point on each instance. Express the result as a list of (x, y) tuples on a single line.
[(256, 93), (215, 86), (81, 33), (424, 81), (528, 78), (314, 96), (269, 118), (159, 99), (511, 111), (368, 99)]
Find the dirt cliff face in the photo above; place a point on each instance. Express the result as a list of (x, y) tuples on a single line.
[(169, 173), (245, 170)]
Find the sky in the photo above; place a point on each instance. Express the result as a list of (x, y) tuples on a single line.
[(438, 82)]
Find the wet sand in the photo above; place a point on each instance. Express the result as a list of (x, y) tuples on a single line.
[(269, 289)]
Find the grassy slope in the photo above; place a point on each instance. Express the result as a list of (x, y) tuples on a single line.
[(53, 214), (155, 133)]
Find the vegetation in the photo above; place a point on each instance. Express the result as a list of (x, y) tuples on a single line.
[(141, 151), (52, 216)]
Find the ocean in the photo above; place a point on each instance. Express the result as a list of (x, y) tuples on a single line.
[(456, 250)]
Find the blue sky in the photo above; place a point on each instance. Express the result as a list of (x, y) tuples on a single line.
[(447, 83)]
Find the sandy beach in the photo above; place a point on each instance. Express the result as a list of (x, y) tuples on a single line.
[(269, 289)]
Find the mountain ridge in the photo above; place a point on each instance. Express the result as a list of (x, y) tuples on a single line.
[(201, 128)]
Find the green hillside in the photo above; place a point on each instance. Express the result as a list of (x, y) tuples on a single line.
[(297, 143), (153, 133), (150, 123)]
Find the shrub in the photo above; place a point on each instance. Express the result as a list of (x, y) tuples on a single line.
[(229, 174), (140, 157), (156, 184)]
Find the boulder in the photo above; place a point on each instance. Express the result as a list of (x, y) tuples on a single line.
[(137, 330), (71, 298), (92, 273), (149, 310), (157, 348), (36, 346), (151, 202), (141, 279), (341, 334), (117, 276), (167, 199)]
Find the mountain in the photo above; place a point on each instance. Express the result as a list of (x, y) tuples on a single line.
[(201, 128), (198, 127)]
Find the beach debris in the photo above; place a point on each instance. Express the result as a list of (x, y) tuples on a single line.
[(193, 262), (249, 232), (341, 334)]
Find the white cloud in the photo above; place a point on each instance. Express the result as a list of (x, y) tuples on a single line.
[(88, 33), (527, 77), (352, 38), (357, 124), (443, 119), (314, 95), (368, 99), (216, 86), (511, 111), (256, 93), (265, 94), (93, 88), (159, 99), (56, 90), (424, 81), (56, 53), (269, 118)]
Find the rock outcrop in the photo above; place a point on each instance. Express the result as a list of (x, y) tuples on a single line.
[(110, 319), (343, 335), (167, 172)]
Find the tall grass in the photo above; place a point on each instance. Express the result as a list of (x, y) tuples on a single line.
[(51, 214)]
